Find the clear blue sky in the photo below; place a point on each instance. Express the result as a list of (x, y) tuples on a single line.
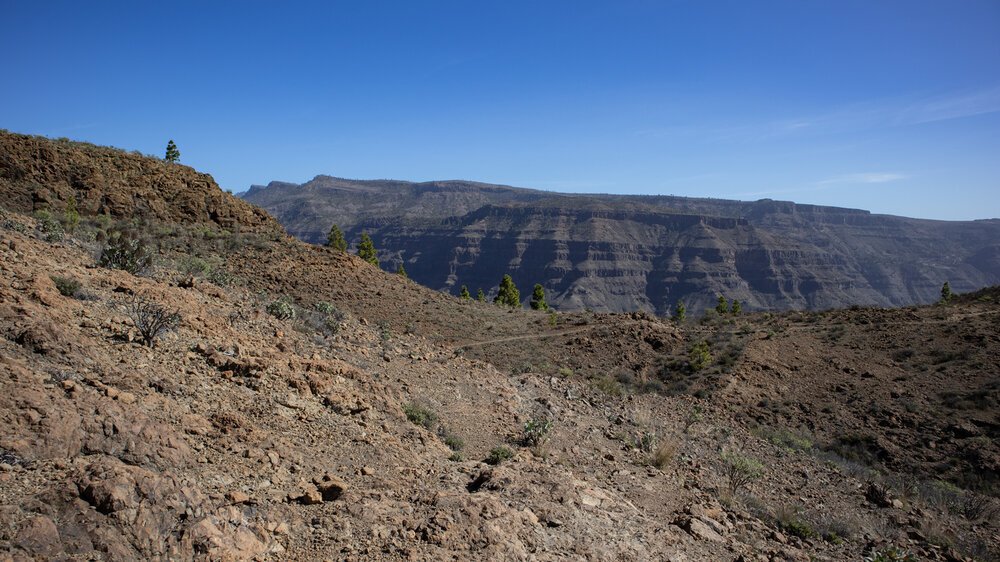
[(892, 106)]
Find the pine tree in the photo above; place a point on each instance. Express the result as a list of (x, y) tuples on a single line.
[(465, 293), (367, 251), (722, 307), (480, 296), (400, 270), (335, 239), (737, 309), (538, 299), (172, 154), (945, 292), (680, 311), (508, 294)]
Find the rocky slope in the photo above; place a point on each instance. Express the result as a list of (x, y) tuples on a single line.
[(625, 253), (358, 428), (39, 173)]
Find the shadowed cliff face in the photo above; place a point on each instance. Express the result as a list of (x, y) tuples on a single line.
[(624, 253)]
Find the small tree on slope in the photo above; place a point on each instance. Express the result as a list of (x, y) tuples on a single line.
[(172, 154), (508, 294), (538, 298), (335, 239), (367, 251)]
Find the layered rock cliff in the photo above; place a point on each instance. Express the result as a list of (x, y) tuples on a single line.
[(622, 253)]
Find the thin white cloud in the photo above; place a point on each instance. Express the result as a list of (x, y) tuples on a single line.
[(876, 177), (831, 183), (953, 106), (862, 116)]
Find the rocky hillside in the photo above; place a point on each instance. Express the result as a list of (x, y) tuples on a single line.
[(37, 173), (301, 404), (625, 253)]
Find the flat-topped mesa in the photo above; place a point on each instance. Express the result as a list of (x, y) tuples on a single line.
[(41, 173), (642, 252)]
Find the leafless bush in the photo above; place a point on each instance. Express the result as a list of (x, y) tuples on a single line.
[(149, 317), (975, 507), (903, 484)]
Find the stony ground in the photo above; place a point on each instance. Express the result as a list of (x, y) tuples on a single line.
[(360, 428), (239, 435)]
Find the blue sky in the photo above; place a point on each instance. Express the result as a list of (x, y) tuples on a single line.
[(891, 106)]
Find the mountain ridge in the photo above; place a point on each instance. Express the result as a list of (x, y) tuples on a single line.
[(429, 228)]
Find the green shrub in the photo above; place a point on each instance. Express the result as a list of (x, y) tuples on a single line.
[(499, 455), (325, 323), (891, 554), (420, 415), (799, 529), (698, 356), (324, 307), (193, 265), (66, 287), (52, 228), (454, 442), (691, 417), (70, 216), (9, 224), (53, 234), (786, 439), (222, 278), (740, 471), (536, 431), (125, 251), (282, 308), (609, 386)]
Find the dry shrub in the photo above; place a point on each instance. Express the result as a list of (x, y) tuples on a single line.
[(149, 317), (664, 454)]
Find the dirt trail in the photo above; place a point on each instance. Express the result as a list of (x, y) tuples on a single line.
[(524, 337)]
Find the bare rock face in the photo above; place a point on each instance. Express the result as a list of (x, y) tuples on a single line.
[(39, 535), (627, 253)]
